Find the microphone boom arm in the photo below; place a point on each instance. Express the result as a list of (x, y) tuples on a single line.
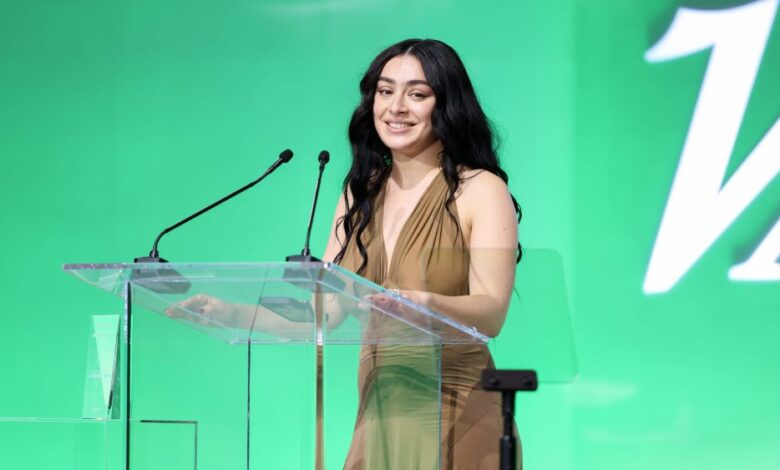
[(154, 255)]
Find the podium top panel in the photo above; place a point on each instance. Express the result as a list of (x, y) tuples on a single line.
[(276, 303)]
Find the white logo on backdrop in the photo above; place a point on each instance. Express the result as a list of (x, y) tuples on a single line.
[(701, 204)]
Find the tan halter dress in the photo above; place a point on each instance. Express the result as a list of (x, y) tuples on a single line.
[(397, 422)]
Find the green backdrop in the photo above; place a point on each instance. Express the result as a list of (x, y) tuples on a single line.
[(117, 119)]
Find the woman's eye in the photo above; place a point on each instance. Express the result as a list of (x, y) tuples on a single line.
[(384, 92), (417, 95)]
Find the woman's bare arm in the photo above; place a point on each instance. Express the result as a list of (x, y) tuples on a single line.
[(489, 219)]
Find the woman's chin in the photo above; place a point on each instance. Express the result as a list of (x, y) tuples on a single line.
[(408, 148)]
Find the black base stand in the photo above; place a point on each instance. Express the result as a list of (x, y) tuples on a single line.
[(508, 382), (150, 259), (302, 259), (164, 281), (326, 282)]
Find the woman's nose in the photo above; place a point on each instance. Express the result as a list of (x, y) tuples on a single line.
[(398, 104)]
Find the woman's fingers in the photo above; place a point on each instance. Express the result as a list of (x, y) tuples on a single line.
[(384, 302), (201, 305), (195, 302)]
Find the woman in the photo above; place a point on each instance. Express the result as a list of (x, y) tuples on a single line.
[(426, 210)]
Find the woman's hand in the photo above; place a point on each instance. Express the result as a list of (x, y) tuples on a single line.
[(207, 310), (389, 302), (419, 297), (204, 309)]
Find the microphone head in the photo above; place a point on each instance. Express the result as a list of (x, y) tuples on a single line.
[(324, 157), (286, 155)]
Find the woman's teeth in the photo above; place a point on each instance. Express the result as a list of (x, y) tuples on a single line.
[(399, 125)]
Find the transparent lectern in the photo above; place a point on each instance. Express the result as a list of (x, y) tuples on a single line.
[(259, 365)]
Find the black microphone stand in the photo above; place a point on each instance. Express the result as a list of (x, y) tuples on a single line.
[(305, 255), (508, 382), (154, 256), (170, 281)]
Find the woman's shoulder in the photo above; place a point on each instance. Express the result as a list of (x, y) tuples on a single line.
[(478, 184), (480, 190), (485, 206)]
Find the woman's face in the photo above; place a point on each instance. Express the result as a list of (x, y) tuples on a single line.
[(403, 106)]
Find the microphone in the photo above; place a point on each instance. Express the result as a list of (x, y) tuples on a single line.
[(305, 256), (326, 281), (154, 255)]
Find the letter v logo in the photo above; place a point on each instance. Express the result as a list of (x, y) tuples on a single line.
[(701, 206)]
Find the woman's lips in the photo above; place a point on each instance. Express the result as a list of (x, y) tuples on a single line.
[(399, 127)]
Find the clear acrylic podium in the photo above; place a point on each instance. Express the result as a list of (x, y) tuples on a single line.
[(258, 365)]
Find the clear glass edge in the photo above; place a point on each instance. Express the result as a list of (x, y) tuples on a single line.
[(332, 267)]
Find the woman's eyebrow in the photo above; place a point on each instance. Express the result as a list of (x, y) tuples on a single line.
[(410, 82)]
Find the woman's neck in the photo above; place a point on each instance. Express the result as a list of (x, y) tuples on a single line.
[(408, 171)]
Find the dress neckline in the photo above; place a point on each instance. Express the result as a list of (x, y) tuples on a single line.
[(390, 259)]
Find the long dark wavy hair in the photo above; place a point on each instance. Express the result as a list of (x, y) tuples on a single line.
[(458, 122)]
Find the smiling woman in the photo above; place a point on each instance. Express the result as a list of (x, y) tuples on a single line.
[(403, 108), (426, 210)]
